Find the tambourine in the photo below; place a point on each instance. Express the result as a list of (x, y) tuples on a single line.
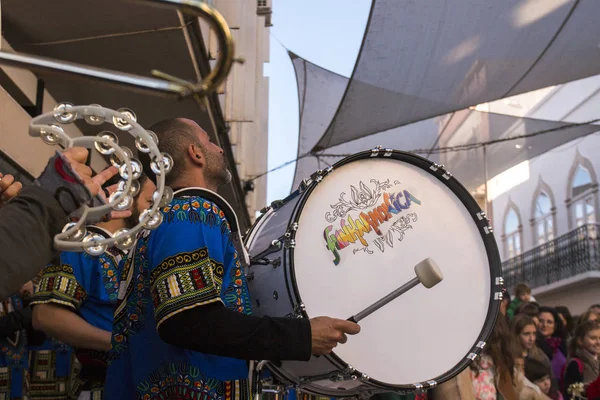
[(74, 236)]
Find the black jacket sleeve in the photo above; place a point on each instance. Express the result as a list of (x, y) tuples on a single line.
[(213, 329), (28, 224), (572, 375)]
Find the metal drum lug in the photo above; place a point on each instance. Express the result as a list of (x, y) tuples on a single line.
[(375, 151), (299, 310)]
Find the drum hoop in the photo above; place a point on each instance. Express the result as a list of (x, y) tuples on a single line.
[(493, 255)]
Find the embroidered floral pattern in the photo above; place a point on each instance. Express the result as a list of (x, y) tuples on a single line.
[(133, 300), (109, 263), (197, 210), (183, 381)]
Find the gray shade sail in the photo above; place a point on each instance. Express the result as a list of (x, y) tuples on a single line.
[(420, 59), (452, 141)]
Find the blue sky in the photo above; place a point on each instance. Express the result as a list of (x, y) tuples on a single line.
[(325, 32)]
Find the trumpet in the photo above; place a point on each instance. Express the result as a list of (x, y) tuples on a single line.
[(161, 83)]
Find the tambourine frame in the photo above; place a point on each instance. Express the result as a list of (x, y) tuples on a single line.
[(65, 113)]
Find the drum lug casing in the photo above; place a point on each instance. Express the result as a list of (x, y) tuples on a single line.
[(290, 242), (442, 170), (483, 217), (305, 184), (299, 310), (264, 210), (375, 152), (432, 384), (316, 177), (349, 371)]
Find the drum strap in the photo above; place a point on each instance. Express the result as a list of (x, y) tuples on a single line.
[(229, 215)]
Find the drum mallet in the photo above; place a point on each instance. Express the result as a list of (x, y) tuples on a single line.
[(428, 273)]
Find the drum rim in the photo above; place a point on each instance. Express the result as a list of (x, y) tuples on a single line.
[(489, 242)]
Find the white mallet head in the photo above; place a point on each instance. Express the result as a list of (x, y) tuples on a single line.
[(428, 273)]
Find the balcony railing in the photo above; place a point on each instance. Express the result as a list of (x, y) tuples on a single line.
[(571, 254)]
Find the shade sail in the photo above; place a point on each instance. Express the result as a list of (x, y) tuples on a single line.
[(420, 59), (451, 140)]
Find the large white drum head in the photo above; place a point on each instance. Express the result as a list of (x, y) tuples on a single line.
[(424, 333)]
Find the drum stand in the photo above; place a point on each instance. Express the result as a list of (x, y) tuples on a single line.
[(257, 386)]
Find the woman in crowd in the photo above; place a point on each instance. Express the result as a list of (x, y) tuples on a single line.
[(583, 363), (589, 315), (551, 339), (493, 373), (567, 319), (525, 332)]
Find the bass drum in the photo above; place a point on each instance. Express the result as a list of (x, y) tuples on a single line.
[(352, 234)]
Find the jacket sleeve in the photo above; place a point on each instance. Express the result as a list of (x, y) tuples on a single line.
[(593, 390), (572, 375), (28, 224), (213, 329)]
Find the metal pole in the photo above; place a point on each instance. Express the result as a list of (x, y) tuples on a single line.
[(45, 64), (164, 84)]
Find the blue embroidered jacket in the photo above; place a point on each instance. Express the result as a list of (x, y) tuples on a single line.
[(14, 356), (89, 286), (188, 261)]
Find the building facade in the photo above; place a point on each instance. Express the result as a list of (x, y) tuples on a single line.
[(245, 95), (236, 118), (545, 210)]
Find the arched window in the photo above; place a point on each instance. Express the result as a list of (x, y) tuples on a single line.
[(582, 197), (543, 220), (512, 234)]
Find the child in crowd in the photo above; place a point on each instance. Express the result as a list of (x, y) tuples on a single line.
[(540, 374), (522, 295), (582, 365)]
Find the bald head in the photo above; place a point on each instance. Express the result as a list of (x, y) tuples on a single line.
[(174, 137)]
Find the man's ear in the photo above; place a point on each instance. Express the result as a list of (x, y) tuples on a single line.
[(196, 155)]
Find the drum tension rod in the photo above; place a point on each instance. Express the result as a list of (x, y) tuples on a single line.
[(274, 247), (265, 261)]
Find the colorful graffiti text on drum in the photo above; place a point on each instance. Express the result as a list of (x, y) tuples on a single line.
[(353, 229)]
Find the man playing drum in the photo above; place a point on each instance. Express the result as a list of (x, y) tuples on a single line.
[(183, 326)]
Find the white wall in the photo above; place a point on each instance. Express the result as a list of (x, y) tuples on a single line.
[(573, 102), (577, 298)]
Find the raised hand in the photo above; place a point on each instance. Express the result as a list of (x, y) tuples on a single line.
[(9, 188), (77, 157)]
